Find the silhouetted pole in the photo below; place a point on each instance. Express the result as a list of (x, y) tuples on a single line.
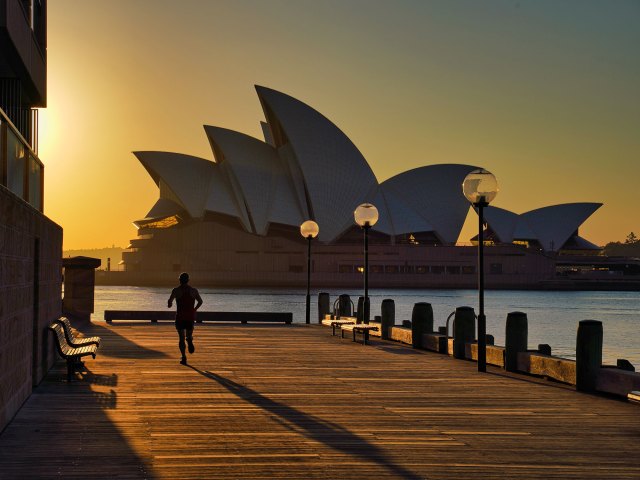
[(308, 318), (365, 316), (309, 230), (366, 216), (482, 320), (480, 187)]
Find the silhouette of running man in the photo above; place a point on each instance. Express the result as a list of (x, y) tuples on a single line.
[(186, 298)]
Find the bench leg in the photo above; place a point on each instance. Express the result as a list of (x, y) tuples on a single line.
[(354, 334), (341, 333), (365, 337), (70, 369), (333, 330)]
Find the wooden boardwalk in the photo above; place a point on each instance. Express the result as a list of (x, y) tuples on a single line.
[(293, 402)]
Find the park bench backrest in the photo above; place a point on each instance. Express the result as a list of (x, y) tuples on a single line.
[(61, 342)]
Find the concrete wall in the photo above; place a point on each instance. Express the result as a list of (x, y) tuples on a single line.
[(30, 298)]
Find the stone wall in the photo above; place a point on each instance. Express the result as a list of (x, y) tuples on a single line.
[(30, 298)]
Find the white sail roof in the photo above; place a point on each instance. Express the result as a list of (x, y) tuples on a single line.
[(337, 178), (551, 226), (187, 178), (435, 194), (308, 169), (555, 224)]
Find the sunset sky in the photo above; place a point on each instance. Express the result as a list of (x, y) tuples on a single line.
[(545, 94)]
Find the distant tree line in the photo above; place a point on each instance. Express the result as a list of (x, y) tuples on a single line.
[(629, 248)]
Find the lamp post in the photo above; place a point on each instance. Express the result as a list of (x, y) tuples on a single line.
[(309, 230), (366, 216), (480, 187)]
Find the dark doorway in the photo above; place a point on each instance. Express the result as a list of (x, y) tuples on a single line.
[(36, 312)]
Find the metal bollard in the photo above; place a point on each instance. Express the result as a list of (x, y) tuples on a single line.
[(345, 306), (421, 322), (360, 310), (388, 317), (588, 354), (324, 305), (516, 339), (463, 330)]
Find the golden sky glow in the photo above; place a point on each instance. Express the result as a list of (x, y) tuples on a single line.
[(544, 94)]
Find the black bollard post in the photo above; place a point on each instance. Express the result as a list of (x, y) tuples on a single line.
[(388, 317), (421, 322), (516, 339), (463, 330), (360, 310), (324, 305), (344, 305), (588, 354)]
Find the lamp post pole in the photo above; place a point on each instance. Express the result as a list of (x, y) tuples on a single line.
[(480, 187), (366, 216), (365, 306), (308, 317), (309, 230), (482, 320)]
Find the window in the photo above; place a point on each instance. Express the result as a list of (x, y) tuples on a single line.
[(495, 268), (407, 269), (35, 179), (345, 268), (391, 269), (422, 269), (16, 162), (295, 268), (468, 270), (438, 269), (453, 270), (376, 269)]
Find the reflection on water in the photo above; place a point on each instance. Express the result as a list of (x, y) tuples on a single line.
[(553, 316)]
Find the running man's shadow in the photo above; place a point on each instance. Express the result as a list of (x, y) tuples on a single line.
[(310, 426)]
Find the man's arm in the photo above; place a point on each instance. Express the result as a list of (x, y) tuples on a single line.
[(173, 295), (198, 298)]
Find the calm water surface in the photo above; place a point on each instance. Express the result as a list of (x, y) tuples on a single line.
[(553, 316)]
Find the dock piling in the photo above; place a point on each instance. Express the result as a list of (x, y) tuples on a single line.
[(421, 322), (324, 308), (388, 320), (588, 354), (516, 339), (463, 330)]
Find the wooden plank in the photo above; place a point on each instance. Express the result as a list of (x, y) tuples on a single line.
[(272, 401)]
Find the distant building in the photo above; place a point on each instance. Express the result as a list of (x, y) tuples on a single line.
[(30, 243), (236, 220)]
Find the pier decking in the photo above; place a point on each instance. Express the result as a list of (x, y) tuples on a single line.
[(261, 401)]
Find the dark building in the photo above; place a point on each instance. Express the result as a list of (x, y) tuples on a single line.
[(30, 243)]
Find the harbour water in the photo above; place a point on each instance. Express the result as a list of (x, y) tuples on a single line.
[(553, 316)]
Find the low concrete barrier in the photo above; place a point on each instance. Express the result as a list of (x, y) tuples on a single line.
[(618, 380), (242, 317)]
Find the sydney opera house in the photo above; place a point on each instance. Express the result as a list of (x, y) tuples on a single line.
[(235, 220)]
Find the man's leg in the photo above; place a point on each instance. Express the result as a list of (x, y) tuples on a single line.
[(192, 348), (182, 346)]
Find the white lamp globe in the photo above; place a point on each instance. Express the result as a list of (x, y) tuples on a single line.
[(309, 229), (366, 215), (480, 186)]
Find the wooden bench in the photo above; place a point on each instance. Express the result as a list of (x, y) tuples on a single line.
[(362, 328), (337, 322), (72, 340), (72, 355)]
